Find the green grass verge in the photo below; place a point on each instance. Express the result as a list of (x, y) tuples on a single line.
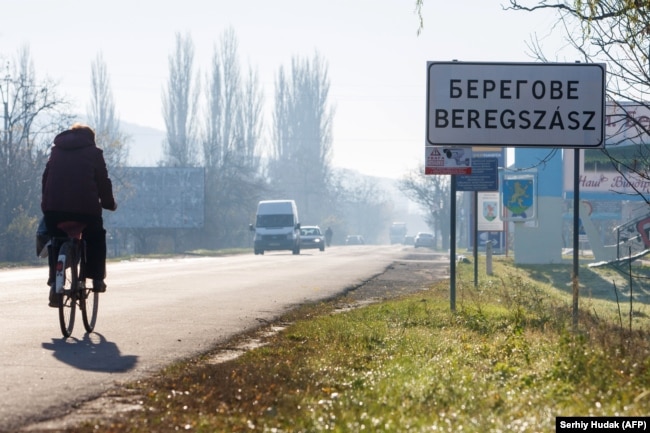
[(506, 360)]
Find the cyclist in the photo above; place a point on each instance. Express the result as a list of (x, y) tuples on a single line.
[(76, 187)]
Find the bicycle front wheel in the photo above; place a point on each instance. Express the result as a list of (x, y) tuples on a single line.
[(66, 276), (89, 305)]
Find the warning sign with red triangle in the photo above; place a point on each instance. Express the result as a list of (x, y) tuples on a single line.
[(448, 160)]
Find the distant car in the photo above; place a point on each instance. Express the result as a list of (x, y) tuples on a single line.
[(409, 240), (354, 240), (424, 239), (312, 237)]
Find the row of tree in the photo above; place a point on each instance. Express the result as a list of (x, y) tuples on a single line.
[(218, 123), (213, 120), (32, 113)]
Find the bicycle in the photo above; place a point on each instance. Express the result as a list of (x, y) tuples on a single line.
[(70, 281)]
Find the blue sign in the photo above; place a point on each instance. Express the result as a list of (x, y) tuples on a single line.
[(484, 177), (519, 197)]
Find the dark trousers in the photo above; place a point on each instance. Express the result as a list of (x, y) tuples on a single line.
[(94, 235)]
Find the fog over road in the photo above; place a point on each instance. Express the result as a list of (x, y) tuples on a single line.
[(154, 312)]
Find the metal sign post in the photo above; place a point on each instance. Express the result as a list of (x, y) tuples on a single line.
[(576, 235), (452, 247), (484, 177)]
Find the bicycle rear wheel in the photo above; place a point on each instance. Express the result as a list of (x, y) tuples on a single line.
[(66, 275), (89, 305), (88, 299)]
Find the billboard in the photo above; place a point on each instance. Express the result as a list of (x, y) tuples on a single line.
[(626, 139), (515, 104), (601, 180), (158, 197), (626, 124)]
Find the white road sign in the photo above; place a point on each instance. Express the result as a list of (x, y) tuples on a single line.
[(516, 104)]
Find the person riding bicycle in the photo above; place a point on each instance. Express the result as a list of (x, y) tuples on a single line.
[(76, 187)]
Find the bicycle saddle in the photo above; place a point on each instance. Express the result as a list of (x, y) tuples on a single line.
[(72, 228)]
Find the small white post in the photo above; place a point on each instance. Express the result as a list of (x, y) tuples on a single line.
[(488, 257)]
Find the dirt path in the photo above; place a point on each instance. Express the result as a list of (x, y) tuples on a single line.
[(411, 275)]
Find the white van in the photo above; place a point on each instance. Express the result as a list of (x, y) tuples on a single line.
[(277, 226)]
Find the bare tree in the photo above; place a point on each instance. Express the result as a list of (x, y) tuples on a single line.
[(231, 146), (32, 114), (616, 32), (233, 122), (180, 105), (302, 141), (432, 194), (108, 133), (361, 206), (103, 118), (418, 10), (252, 120)]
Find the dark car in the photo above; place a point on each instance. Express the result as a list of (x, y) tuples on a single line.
[(312, 237), (424, 239), (354, 240)]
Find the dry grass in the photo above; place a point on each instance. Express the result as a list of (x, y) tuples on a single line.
[(506, 360)]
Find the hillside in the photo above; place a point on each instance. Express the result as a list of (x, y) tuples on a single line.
[(145, 144)]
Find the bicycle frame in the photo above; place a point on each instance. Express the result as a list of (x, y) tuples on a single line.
[(64, 261), (74, 231), (73, 292)]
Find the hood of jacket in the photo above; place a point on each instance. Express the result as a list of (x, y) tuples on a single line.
[(74, 139)]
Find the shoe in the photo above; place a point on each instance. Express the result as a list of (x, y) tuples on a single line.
[(99, 286), (54, 299)]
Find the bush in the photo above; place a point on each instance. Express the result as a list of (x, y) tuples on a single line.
[(18, 240)]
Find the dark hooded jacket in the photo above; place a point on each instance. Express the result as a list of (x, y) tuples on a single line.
[(75, 179)]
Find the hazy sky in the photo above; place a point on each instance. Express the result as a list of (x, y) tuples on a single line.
[(376, 61)]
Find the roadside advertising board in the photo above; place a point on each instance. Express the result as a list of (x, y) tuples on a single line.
[(159, 197)]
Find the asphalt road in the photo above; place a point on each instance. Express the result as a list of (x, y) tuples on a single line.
[(153, 313)]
